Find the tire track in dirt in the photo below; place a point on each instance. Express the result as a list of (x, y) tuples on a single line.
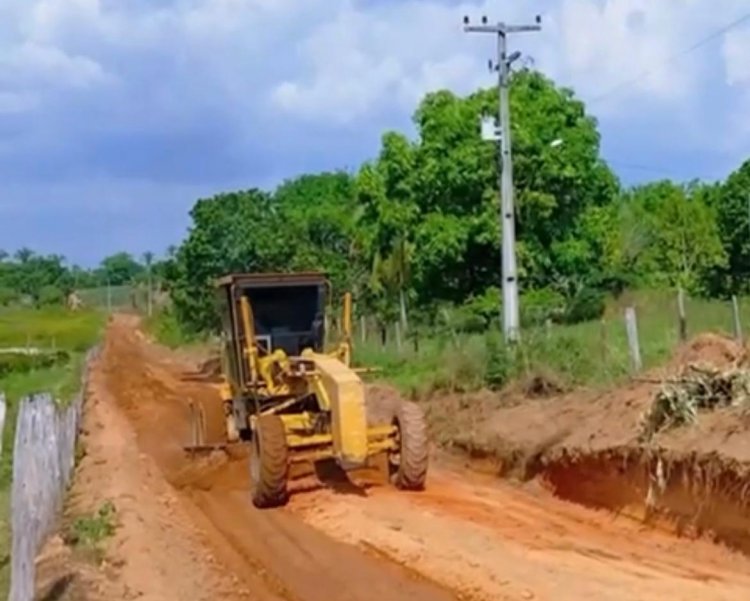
[(498, 541), (274, 554)]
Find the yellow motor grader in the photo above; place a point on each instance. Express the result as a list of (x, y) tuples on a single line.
[(292, 400)]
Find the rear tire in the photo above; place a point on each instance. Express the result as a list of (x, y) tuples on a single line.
[(410, 470), (269, 462)]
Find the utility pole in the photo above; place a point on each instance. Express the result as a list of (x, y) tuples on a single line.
[(499, 131)]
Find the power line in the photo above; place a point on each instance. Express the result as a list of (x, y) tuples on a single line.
[(700, 43)]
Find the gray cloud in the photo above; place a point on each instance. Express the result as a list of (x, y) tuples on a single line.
[(115, 116)]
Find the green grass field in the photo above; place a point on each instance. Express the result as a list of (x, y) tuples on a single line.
[(48, 328), (587, 354)]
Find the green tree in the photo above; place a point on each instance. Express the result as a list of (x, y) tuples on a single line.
[(731, 203), (322, 212), (236, 232), (119, 269), (677, 233)]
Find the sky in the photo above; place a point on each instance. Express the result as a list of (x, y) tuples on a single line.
[(115, 117)]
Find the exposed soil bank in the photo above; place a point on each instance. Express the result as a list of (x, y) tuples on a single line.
[(692, 481), (694, 496)]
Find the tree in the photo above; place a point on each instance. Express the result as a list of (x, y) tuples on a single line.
[(322, 212), (236, 232), (119, 269), (731, 204), (676, 235)]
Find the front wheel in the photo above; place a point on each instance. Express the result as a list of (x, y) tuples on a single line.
[(408, 464), (269, 462)]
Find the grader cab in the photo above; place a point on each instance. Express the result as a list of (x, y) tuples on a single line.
[(293, 400)]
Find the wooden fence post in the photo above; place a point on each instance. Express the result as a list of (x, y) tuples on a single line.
[(363, 327), (681, 317), (737, 321), (631, 326)]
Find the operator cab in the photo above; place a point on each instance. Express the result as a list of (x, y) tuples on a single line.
[(288, 312)]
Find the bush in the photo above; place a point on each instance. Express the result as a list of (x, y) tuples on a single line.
[(168, 330), (477, 313), (537, 306), (50, 295), (7, 296), (499, 361), (22, 363), (587, 305)]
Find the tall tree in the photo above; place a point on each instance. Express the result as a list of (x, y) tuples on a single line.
[(731, 202)]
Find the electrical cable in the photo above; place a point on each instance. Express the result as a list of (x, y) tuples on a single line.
[(702, 42)]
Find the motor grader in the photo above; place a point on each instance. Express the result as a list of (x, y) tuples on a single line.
[(294, 401)]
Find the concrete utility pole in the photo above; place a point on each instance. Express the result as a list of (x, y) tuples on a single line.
[(500, 132)]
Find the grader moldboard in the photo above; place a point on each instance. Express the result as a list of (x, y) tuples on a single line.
[(294, 402)]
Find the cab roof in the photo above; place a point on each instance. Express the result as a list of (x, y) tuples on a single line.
[(259, 280)]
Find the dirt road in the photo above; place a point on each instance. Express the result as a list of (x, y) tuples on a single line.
[(190, 531)]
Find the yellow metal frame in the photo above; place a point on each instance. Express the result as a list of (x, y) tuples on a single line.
[(337, 387)]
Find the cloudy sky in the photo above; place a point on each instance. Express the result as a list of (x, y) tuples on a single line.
[(115, 115)]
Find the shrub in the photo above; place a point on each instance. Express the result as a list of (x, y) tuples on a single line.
[(499, 361), (22, 363), (477, 313), (50, 295), (7, 296), (587, 305), (537, 306)]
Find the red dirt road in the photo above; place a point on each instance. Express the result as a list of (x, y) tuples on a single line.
[(191, 529)]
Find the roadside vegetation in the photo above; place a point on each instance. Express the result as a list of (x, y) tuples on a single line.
[(414, 234), (549, 358), (87, 533), (61, 339)]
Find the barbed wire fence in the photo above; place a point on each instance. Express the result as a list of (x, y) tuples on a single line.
[(43, 461)]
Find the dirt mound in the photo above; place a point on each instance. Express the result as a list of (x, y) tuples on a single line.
[(712, 349)]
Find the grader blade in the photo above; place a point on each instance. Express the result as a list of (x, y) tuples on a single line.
[(198, 444)]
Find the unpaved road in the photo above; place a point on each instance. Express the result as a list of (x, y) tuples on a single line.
[(189, 530)]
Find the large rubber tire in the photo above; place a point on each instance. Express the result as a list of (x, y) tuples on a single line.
[(410, 472), (269, 463), (381, 411)]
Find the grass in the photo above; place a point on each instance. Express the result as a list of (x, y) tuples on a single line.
[(167, 330), (49, 328), (587, 354), (88, 532), (74, 333)]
